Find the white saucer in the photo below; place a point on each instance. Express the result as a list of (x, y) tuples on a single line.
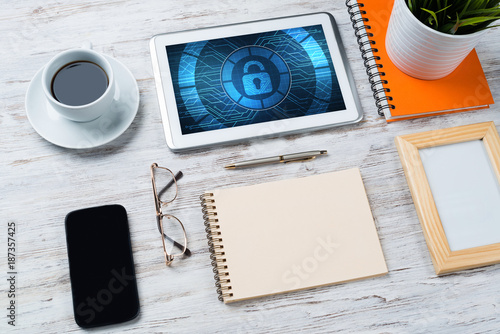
[(63, 132)]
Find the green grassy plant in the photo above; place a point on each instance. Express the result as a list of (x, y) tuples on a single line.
[(456, 17)]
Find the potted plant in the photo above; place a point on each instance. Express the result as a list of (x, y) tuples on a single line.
[(428, 39)]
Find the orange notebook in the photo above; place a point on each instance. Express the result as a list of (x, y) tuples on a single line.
[(399, 96)]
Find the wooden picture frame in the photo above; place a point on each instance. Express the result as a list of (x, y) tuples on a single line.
[(444, 259)]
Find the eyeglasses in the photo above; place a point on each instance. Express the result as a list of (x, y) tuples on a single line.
[(173, 234)]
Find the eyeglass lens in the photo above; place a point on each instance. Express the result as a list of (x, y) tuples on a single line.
[(173, 235), (165, 185)]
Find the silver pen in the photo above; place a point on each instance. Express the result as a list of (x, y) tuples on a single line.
[(302, 156)]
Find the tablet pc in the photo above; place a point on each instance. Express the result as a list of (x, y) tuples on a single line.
[(261, 78)]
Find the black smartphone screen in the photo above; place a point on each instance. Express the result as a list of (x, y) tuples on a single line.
[(101, 266)]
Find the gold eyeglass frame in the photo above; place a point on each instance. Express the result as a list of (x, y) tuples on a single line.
[(160, 215)]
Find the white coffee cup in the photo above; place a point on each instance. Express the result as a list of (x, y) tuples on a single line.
[(86, 112)]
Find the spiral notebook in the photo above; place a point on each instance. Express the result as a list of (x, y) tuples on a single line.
[(399, 96), (291, 235)]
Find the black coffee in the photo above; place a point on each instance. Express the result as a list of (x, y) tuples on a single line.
[(79, 83)]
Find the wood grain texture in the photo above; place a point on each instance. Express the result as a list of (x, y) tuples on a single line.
[(40, 183), (445, 260)]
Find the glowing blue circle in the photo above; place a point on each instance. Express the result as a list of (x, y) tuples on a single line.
[(255, 77)]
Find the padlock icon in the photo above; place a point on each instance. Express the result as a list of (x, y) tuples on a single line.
[(256, 83)]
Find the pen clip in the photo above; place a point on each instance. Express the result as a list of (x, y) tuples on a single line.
[(299, 159)]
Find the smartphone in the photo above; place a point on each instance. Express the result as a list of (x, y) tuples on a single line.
[(101, 266)]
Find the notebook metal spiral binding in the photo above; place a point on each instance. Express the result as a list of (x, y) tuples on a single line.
[(220, 269), (368, 53)]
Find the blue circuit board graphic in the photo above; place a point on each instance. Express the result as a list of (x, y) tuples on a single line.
[(236, 81)]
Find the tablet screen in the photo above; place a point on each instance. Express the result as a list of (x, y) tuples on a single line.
[(249, 79)]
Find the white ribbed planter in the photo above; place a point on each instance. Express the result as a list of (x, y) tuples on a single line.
[(422, 52)]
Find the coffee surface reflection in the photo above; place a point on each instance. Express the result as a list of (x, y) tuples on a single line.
[(79, 83)]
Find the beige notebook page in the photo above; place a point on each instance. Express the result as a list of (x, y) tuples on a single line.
[(298, 233)]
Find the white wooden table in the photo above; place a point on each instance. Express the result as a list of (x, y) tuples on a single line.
[(40, 183)]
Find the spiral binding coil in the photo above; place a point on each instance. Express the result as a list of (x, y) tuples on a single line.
[(368, 53), (220, 269)]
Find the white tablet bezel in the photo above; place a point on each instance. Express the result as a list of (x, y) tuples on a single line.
[(166, 96)]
